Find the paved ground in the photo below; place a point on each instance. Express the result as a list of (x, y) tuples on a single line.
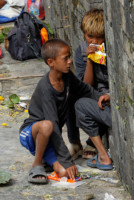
[(17, 77)]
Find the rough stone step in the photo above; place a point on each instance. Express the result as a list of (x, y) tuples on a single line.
[(20, 77)]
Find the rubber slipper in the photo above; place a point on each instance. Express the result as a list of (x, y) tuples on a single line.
[(35, 172), (98, 165)]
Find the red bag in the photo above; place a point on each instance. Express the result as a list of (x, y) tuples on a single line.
[(41, 8)]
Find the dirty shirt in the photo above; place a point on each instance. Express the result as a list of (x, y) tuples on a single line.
[(50, 104)]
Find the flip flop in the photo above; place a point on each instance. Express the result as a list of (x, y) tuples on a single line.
[(35, 172), (98, 164)]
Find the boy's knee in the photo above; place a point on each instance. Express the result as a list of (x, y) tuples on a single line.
[(46, 127), (77, 105)]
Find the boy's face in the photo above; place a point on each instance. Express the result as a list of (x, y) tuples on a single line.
[(98, 40), (62, 63)]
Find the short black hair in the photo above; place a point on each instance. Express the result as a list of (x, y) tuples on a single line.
[(51, 48)]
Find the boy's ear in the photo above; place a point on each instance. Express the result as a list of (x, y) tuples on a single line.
[(50, 62)]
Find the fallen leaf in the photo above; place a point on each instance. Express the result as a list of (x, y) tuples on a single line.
[(26, 111), (5, 177), (14, 98)]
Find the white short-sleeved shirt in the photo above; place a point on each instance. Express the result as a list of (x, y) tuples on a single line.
[(13, 8)]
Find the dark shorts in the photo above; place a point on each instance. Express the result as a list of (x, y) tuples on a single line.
[(26, 140)]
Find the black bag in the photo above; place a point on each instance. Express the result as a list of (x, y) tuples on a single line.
[(24, 39)]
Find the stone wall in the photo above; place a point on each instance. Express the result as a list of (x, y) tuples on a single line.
[(65, 18), (119, 23)]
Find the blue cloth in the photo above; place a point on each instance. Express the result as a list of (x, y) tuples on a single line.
[(4, 19), (26, 140)]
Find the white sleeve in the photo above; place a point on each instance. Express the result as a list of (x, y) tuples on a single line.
[(17, 2)]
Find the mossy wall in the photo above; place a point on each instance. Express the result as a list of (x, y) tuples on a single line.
[(119, 24)]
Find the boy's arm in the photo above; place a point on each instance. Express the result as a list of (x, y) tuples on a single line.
[(50, 113), (81, 89), (2, 3), (89, 74), (80, 64)]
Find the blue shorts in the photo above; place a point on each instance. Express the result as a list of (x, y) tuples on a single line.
[(26, 140)]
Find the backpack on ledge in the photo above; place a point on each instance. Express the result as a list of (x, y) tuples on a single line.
[(25, 39)]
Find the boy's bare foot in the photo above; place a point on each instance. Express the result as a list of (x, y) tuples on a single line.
[(58, 168)]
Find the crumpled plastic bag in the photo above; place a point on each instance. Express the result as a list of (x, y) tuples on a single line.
[(99, 56)]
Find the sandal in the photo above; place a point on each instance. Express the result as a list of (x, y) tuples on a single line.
[(35, 172), (98, 165)]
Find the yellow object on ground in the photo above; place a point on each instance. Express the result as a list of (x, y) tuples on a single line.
[(1, 98), (4, 124)]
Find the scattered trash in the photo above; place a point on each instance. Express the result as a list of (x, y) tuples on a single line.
[(24, 98), (109, 197), (22, 104), (5, 177), (55, 176), (107, 179), (26, 111), (85, 176), (67, 184)]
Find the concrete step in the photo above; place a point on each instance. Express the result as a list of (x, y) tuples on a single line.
[(20, 77)]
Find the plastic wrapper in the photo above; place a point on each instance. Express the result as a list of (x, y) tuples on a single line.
[(99, 56), (55, 176), (65, 184)]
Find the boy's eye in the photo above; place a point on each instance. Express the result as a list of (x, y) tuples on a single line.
[(66, 58), (100, 37), (90, 36)]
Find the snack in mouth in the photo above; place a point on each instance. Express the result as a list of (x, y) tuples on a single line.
[(99, 56)]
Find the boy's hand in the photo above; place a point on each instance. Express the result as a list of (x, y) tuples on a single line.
[(104, 98), (91, 49), (72, 172)]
